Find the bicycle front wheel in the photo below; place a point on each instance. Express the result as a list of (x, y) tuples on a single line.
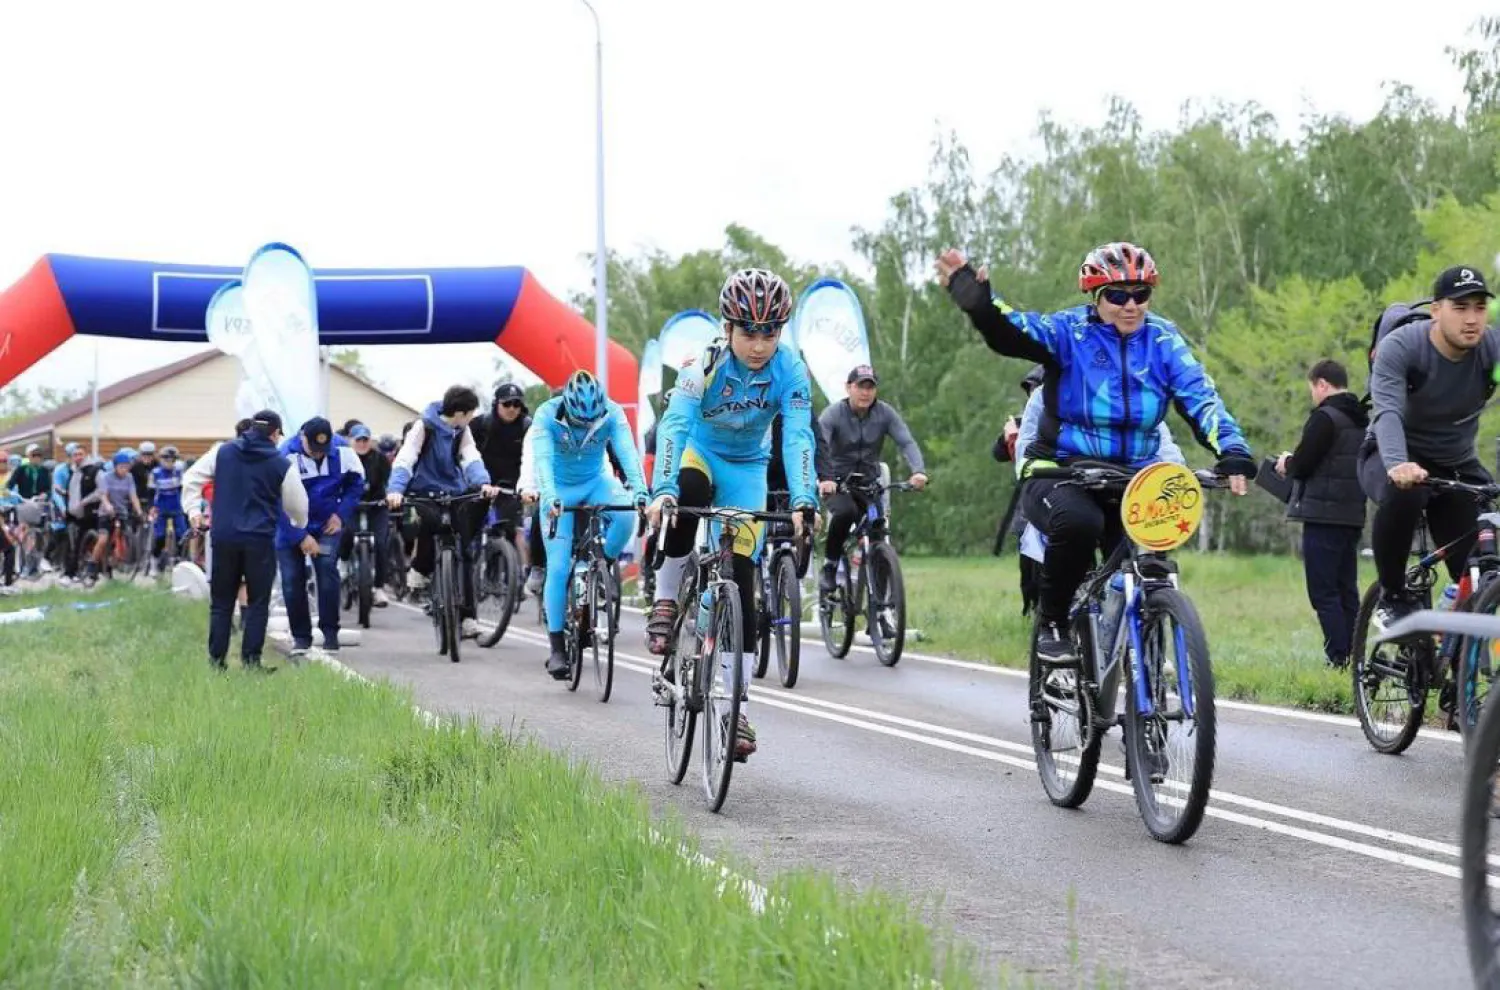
[(887, 603), (499, 570), (602, 599), (364, 581), (1386, 699), (721, 672), (1481, 921), (786, 616), (1170, 726), (1476, 663), (764, 594), (453, 596)]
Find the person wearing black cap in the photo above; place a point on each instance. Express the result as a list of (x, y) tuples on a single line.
[(377, 473), (852, 434), (1429, 380), (499, 435), (333, 477), (254, 485)]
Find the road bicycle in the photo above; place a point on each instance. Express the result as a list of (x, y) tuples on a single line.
[(1393, 679), (445, 603), (1130, 624), (869, 580), (591, 621), (778, 598), (703, 670)]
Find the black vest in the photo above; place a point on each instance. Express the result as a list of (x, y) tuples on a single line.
[(1333, 496)]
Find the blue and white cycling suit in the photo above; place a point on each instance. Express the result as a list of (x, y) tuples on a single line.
[(719, 423), (571, 468), (167, 482)]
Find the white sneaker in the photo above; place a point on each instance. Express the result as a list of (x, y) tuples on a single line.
[(469, 629), (534, 581), (380, 599), (415, 581)]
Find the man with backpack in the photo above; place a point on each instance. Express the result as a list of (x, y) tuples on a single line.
[(1327, 500), (1431, 375)]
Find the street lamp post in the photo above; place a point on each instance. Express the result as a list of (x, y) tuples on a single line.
[(601, 294)]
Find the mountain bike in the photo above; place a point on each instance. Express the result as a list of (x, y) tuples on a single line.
[(1130, 623), (693, 678), (123, 553), (591, 621), (497, 569), (445, 603), (358, 585), (1394, 678), (869, 581), (1479, 810), (779, 597)]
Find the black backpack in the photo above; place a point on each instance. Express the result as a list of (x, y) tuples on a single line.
[(1393, 317)]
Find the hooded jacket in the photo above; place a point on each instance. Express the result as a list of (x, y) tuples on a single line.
[(253, 484), (333, 485), (450, 463)]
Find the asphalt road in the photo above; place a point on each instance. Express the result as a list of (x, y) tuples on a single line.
[(1321, 863)]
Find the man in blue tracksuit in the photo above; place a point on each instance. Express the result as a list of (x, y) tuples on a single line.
[(254, 487), (333, 478), (1111, 371), (570, 435)]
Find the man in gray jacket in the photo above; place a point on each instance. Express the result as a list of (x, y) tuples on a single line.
[(852, 434)]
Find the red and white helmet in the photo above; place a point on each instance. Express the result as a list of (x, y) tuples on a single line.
[(1121, 261), (754, 295)]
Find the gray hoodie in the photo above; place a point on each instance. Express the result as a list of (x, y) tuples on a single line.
[(851, 443)]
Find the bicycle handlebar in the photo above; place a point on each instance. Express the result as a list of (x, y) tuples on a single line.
[(1490, 491), (584, 510), (1110, 476)]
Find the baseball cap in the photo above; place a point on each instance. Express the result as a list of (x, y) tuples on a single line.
[(317, 434), (508, 392), (863, 373), (32, 448), (1458, 282), (147, 447), (359, 432), (268, 420)]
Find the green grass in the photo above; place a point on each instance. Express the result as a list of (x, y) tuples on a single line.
[(1262, 632), (164, 825)]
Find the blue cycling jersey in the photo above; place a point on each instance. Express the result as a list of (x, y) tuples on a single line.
[(1105, 392), (168, 484), (722, 408), (567, 456)]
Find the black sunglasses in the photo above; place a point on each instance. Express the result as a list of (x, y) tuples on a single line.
[(1119, 297), (511, 404)]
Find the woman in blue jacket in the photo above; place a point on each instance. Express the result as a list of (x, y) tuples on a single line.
[(1111, 371)]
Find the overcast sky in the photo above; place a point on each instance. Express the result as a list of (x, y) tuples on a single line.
[(447, 133)]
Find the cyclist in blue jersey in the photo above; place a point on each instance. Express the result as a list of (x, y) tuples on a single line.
[(1111, 371), (570, 436), (166, 484), (714, 441)]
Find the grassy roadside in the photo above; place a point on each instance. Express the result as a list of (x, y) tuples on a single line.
[(1263, 635), (160, 824)]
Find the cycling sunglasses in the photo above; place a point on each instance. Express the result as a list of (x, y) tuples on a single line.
[(761, 329), (1119, 297)]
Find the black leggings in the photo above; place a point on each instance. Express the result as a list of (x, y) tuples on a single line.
[(1075, 522), (698, 492), (1450, 515), (844, 511)]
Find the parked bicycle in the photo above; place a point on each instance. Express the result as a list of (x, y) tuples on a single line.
[(869, 581), (1393, 679), (591, 621), (1130, 622), (358, 583), (778, 597), (694, 676), (445, 603), (498, 574)]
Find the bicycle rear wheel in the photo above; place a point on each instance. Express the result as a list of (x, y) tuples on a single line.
[(684, 704), (722, 690), (1063, 735), (786, 616), (602, 601), (1170, 733), (1481, 920), (364, 581), (887, 603), (837, 614), (1387, 699)]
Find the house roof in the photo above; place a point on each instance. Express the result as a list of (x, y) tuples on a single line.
[(123, 389)]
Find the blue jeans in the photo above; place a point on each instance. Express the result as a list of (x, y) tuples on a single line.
[(325, 566)]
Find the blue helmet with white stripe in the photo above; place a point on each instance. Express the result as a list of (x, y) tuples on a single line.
[(583, 399)]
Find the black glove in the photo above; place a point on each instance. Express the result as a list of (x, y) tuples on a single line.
[(966, 289), (1232, 464)]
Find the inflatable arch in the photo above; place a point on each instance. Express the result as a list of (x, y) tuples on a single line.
[(63, 295)]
